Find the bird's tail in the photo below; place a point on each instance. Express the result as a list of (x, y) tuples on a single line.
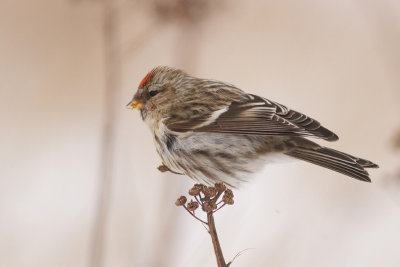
[(334, 160)]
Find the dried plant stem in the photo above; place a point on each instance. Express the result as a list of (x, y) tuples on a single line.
[(194, 216), (220, 207), (214, 237), (207, 197)]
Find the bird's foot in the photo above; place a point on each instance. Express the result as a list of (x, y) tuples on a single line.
[(163, 168)]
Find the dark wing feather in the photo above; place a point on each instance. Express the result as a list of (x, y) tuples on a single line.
[(258, 116)]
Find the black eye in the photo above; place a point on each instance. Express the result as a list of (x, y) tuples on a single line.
[(153, 93)]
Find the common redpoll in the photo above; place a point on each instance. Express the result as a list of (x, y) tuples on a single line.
[(214, 132)]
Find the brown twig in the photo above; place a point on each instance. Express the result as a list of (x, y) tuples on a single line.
[(207, 198), (214, 237), (194, 216), (220, 207)]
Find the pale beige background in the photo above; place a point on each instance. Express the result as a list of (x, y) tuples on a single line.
[(338, 61)]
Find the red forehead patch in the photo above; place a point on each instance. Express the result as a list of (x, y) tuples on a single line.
[(145, 80)]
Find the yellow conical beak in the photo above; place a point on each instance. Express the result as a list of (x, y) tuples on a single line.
[(135, 104)]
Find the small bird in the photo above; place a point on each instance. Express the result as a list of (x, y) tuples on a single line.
[(214, 132)]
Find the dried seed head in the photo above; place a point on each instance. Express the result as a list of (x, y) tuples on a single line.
[(180, 201), (228, 197), (209, 191), (220, 187), (195, 190), (227, 200), (209, 206), (228, 193), (192, 205)]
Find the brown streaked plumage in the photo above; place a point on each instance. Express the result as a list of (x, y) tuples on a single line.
[(213, 131)]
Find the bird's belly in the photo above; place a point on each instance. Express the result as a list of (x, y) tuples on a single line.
[(212, 157)]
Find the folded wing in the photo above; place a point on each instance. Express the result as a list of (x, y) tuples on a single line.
[(256, 116)]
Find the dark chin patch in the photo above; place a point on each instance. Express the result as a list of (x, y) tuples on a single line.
[(143, 113), (170, 140)]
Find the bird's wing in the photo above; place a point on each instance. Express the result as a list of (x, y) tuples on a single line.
[(255, 116)]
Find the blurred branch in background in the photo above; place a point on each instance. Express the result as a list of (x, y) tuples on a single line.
[(396, 140), (391, 179), (188, 15), (112, 92), (396, 145)]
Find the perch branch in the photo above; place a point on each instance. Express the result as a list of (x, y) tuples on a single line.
[(214, 237), (207, 198)]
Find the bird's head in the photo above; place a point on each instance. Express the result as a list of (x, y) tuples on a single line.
[(157, 91)]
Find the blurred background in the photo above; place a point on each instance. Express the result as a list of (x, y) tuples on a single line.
[(79, 184)]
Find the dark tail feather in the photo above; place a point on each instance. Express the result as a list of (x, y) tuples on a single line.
[(335, 160), (363, 162)]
